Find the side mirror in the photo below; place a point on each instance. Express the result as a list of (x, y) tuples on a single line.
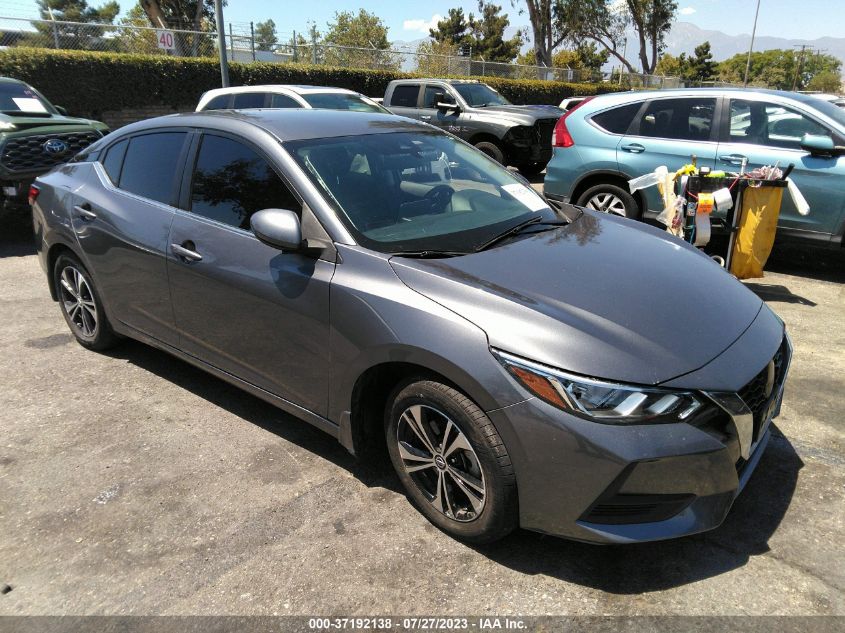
[(61, 110), (817, 144), (278, 228)]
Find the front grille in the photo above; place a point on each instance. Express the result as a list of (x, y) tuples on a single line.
[(545, 127), (764, 387), (27, 154)]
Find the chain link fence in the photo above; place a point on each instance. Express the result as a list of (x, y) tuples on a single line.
[(243, 46)]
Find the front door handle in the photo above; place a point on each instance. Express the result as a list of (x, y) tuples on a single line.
[(186, 251), (733, 159), (634, 148), (425, 117), (84, 212)]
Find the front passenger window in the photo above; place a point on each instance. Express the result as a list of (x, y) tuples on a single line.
[(231, 182), (761, 123)]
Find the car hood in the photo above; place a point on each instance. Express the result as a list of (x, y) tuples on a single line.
[(603, 297), (56, 121), (524, 115)]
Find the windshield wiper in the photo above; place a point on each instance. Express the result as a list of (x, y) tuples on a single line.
[(428, 254), (519, 228)]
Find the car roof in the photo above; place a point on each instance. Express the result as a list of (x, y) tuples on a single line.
[(636, 95), (438, 79), (12, 80), (297, 89), (288, 124)]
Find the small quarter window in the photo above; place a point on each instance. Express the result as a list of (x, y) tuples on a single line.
[(220, 102), (114, 160), (617, 120)]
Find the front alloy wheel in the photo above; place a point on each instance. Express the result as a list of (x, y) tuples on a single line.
[(441, 462), (451, 461)]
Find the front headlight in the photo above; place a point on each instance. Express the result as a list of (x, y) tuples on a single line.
[(600, 401)]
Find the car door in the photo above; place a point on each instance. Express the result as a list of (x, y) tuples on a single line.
[(769, 133), (254, 311), (669, 131), (446, 120), (122, 220), (405, 100)]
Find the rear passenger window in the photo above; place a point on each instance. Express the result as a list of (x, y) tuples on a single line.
[(151, 165), (405, 95), (220, 102), (249, 100), (283, 101), (682, 119), (617, 120), (231, 182), (114, 160)]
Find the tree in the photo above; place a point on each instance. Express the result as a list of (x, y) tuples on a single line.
[(488, 34), (190, 15), (778, 68), (826, 81), (432, 58), (363, 31), (584, 57), (265, 36), (606, 22), (451, 30), (74, 36), (549, 27), (697, 67)]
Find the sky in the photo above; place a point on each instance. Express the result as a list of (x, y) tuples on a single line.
[(411, 19)]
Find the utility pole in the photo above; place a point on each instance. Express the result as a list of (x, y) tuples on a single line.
[(221, 43), (751, 46), (800, 66)]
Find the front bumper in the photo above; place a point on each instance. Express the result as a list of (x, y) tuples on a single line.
[(621, 484)]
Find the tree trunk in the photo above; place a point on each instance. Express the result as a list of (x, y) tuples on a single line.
[(195, 48)]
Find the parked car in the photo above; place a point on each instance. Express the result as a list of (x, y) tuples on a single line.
[(391, 285), (35, 135), (607, 140), (509, 134), (283, 96)]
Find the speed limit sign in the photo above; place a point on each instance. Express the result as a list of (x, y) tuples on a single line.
[(165, 39)]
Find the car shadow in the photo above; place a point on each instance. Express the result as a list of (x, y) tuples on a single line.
[(772, 292), (647, 567), (621, 569), (16, 242), (254, 410)]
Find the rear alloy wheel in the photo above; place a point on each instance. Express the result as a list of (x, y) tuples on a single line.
[(451, 461), (610, 199), (80, 304), (492, 150)]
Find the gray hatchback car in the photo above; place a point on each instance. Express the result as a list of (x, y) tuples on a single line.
[(554, 368)]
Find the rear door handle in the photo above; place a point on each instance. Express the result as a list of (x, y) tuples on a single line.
[(634, 148), (733, 159), (425, 117), (84, 212), (186, 252)]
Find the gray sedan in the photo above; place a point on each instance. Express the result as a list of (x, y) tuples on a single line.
[(522, 365)]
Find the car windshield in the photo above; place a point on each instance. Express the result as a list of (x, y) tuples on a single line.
[(480, 95), (831, 110), (19, 98), (403, 192), (341, 101)]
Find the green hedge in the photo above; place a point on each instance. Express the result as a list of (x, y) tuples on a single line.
[(89, 83)]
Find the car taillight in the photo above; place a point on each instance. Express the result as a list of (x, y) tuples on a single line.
[(561, 136), (33, 194)]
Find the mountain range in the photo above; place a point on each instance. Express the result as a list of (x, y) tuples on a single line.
[(685, 36)]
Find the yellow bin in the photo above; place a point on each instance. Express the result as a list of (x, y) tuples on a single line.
[(756, 232)]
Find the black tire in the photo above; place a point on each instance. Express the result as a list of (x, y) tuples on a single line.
[(597, 192), (530, 170), (78, 316), (492, 150), (498, 515)]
